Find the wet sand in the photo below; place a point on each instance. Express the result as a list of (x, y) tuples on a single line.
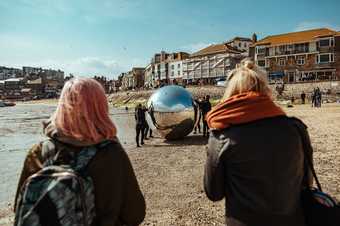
[(171, 173)]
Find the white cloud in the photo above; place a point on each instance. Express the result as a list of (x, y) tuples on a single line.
[(86, 66), (306, 25), (194, 47)]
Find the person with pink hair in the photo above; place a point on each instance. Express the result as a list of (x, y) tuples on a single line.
[(82, 120)]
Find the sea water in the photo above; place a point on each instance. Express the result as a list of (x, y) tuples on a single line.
[(21, 128)]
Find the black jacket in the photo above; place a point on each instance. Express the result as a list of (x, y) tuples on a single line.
[(259, 169), (205, 107), (140, 116)]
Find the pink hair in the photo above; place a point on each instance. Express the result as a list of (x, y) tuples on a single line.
[(83, 112)]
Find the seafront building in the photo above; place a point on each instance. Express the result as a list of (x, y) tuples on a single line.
[(175, 67), (165, 68), (30, 82), (214, 62), (6, 73), (133, 79), (149, 79), (165, 71), (304, 56)]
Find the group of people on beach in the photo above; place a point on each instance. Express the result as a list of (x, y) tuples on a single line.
[(255, 160), (316, 98), (202, 107)]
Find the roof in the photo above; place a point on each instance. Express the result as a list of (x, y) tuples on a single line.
[(26, 90), (36, 81), (138, 68), (296, 37), (216, 48), (239, 39), (13, 80)]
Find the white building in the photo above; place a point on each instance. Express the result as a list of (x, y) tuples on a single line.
[(31, 70), (215, 61), (242, 43), (166, 68), (175, 71)]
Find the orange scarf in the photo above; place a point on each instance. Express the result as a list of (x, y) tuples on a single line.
[(242, 108)]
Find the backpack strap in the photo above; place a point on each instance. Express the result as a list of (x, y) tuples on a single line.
[(78, 161), (49, 152), (309, 162)]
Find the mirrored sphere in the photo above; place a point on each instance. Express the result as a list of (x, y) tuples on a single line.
[(171, 111)]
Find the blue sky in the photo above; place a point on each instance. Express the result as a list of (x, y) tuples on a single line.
[(106, 37)]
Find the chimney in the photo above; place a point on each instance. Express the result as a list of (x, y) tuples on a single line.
[(254, 38)]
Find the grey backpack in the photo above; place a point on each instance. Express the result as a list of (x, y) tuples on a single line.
[(60, 194)]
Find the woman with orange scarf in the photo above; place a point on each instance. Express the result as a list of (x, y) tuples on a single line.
[(255, 156)]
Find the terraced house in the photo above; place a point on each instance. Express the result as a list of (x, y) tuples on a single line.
[(304, 56), (215, 61), (165, 68)]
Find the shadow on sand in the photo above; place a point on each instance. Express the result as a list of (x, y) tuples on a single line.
[(185, 141)]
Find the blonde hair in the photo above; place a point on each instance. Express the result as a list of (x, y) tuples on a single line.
[(246, 77)]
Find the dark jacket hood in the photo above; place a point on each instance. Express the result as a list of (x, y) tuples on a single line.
[(51, 131)]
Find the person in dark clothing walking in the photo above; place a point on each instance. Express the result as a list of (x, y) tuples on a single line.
[(303, 97), (140, 124), (314, 98), (318, 97), (206, 107)]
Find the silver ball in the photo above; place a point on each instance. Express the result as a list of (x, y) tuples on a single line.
[(171, 111)]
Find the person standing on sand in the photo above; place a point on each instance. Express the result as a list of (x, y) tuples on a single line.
[(314, 98), (318, 97), (140, 124), (303, 97), (206, 107), (147, 129), (255, 156), (81, 122), (198, 114)]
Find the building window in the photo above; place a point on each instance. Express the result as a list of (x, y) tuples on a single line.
[(239, 44), (267, 63), (326, 42), (178, 73), (261, 50), (261, 63), (172, 67), (282, 62), (245, 45), (282, 49), (178, 65), (301, 48), (172, 74), (300, 60), (325, 58), (291, 76)]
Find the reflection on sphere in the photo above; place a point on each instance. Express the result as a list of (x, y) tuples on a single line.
[(171, 112)]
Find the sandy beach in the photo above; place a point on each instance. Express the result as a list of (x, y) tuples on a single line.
[(171, 173)]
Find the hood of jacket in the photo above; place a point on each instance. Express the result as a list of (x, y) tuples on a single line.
[(51, 131)]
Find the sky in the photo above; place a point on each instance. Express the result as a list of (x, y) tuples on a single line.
[(107, 37)]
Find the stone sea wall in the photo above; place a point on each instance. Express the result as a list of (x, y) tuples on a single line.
[(131, 98)]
